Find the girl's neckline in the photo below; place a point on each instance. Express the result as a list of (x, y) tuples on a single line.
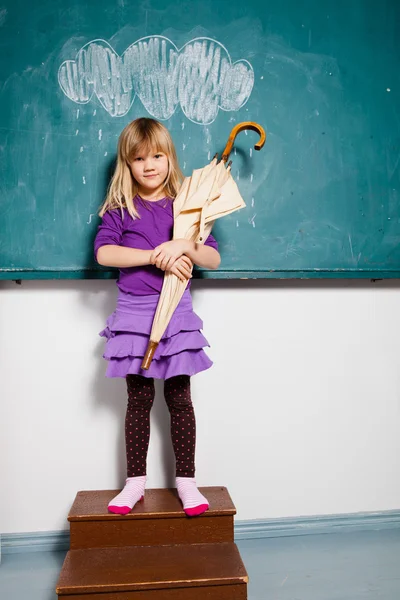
[(152, 201)]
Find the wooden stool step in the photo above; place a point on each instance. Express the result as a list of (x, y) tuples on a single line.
[(157, 520), (182, 572)]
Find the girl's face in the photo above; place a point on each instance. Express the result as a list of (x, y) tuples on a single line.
[(150, 170)]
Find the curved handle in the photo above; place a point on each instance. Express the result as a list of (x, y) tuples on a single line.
[(241, 127)]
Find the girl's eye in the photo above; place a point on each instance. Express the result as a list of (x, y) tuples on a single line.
[(138, 158), (157, 156)]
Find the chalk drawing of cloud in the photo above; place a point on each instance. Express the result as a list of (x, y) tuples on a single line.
[(200, 77)]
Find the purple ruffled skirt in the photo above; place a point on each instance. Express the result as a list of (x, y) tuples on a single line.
[(180, 351)]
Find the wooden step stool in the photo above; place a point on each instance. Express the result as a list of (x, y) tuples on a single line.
[(153, 553)]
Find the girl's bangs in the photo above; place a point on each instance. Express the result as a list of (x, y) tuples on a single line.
[(151, 142)]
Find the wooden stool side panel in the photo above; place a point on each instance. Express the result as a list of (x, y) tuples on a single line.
[(150, 532)]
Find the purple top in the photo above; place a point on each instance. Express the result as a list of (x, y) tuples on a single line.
[(154, 227)]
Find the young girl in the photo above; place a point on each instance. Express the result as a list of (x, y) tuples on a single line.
[(135, 236)]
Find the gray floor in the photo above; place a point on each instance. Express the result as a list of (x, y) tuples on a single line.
[(342, 566)]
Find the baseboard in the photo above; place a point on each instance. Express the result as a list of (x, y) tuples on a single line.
[(36, 541), (312, 525), (57, 541)]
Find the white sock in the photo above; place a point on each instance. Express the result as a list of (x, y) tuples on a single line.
[(194, 503), (130, 495)]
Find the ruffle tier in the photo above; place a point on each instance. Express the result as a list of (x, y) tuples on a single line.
[(127, 333)]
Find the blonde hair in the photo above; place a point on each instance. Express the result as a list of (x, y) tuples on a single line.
[(141, 135)]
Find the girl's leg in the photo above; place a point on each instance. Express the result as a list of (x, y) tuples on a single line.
[(137, 435), (183, 434)]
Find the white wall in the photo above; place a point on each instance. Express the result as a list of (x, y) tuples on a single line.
[(300, 414)]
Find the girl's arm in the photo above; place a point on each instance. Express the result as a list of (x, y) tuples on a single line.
[(107, 246), (202, 255), (111, 255), (122, 257)]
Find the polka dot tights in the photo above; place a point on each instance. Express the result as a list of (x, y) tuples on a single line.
[(137, 423), (183, 423)]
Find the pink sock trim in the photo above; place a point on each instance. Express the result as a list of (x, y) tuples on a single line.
[(121, 510), (196, 510)]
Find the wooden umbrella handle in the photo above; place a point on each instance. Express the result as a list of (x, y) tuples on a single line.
[(241, 127), (148, 357)]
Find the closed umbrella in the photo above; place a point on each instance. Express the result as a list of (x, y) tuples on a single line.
[(207, 195)]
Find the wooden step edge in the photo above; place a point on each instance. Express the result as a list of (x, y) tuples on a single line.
[(174, 584), (154, 515), (142, 568)]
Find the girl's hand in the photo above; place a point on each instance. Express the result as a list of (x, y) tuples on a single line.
[(182, 268), (165, 255)]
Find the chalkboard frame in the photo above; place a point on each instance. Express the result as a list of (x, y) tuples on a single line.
[(207, 274)]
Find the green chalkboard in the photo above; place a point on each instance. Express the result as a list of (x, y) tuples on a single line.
[(322, 78)]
